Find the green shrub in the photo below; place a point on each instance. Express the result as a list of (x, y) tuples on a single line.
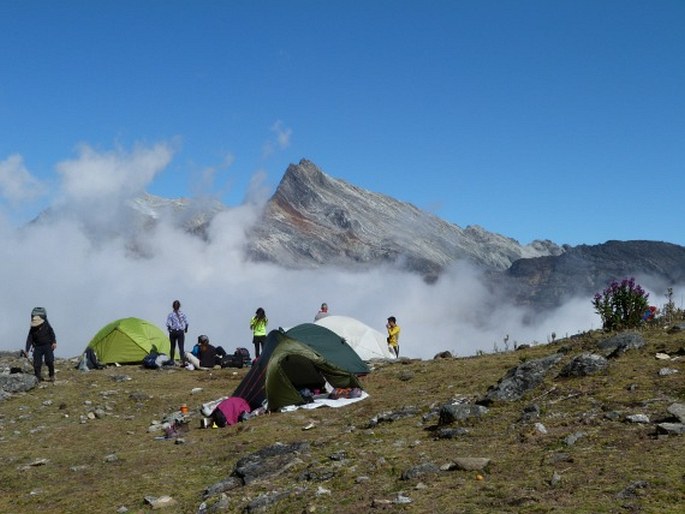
[(621, 305)]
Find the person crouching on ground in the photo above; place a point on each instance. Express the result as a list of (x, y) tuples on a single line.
[(393, 336), (207, 354), (42, 339)]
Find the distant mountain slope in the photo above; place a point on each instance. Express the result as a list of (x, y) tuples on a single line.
[(584, 270), (314, 219)]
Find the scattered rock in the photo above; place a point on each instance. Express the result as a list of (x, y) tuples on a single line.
[(160, 502), (530, 412), (637, 418), (270, 461), (621, 343), (584, 364), (17, 382), (540, 428), (520, 380), (671, 428), (632, 490), (390, 416), (467, 464), (263, 501), (460, 412), (229, 484), (443, 355), (450, 433), (678, 410), (419, 471), (572, 439), (556, 478), (220, 504), (664, 372)]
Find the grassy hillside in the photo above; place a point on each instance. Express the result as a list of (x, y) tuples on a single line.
[(82, 444)]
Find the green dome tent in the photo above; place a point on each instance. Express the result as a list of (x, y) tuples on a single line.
[(128, 341), (306, 356)]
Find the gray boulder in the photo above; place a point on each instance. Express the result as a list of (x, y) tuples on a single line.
[(677, 410), (17, 382), (459, 412), (621, 343), (584, 364), (521, 379), (270, 461)]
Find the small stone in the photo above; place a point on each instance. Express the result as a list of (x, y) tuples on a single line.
[(664, 372), (160, 502), (556, 478), (540, 428), (637, 418)]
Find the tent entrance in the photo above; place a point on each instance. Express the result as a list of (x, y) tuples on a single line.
[(302, 373)]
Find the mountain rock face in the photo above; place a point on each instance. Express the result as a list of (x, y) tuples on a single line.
[(314, 219), (584, 270)]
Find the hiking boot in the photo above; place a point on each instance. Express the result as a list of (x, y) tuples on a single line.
[(51, 378)]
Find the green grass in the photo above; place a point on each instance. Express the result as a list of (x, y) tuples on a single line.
[(606, 460)]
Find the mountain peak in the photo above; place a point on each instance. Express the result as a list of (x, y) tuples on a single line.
[(314, 219)]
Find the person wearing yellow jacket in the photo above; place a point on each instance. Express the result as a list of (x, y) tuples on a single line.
[(393, 336), (258, 326)]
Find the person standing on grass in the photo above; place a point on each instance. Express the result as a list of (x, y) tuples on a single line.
[(322, 313), (393, 336), (258, 326), (177, 325), (42, 340)]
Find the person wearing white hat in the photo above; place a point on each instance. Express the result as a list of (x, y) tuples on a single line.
[(41, 339)]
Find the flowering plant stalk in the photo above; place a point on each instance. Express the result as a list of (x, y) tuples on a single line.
[(621, 304)]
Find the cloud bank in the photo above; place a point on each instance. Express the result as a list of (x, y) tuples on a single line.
[(85, 282)]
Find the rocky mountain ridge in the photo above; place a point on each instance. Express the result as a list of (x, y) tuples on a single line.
[(314, 219)]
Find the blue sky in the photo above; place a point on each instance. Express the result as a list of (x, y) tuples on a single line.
[(561, 120)]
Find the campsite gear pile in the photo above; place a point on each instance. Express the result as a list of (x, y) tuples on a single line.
[(238, 359)]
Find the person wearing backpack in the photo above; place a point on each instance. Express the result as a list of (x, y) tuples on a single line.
[(41, 339), (258, 326)]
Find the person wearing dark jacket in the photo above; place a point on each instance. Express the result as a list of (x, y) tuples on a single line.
[(42, 340), (207, 354)]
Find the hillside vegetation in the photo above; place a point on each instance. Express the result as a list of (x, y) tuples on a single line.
[(82, 444)]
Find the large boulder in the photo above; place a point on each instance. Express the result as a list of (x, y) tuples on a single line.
[(521, 379)]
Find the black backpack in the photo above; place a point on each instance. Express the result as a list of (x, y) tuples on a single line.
[(232, 361), (244, 354)]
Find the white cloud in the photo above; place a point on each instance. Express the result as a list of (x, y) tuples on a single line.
[(16, 182), (85, 285), (96, 175), (281, 141)]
